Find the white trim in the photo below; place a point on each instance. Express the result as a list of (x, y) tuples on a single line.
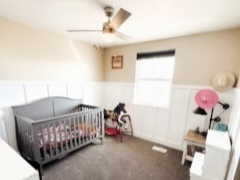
[(155, 140), (25, 93), (48, 91)]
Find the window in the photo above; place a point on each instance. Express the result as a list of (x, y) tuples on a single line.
[(153, 78)]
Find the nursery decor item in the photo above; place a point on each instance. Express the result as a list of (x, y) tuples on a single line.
[(117, 62), (200, 111), (207, 99), (159, 149), (118, 122), (221, 127), (223, 81)]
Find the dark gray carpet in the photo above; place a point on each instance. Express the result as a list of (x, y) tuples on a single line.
[(131, 160)]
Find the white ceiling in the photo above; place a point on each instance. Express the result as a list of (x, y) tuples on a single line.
[(150, 20)]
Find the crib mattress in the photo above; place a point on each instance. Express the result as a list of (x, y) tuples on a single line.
[(55, 135)]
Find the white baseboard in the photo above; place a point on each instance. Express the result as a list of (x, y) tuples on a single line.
[(158, 141)]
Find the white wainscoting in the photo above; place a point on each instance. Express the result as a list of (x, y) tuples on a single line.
[(162, 125), (93, 93), (11, 94), (57, 89), (34, 91)]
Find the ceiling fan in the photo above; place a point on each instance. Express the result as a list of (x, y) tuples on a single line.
[(112, 25)]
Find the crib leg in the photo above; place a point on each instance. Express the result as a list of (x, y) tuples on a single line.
[(130, 121), (121, 135), (102, 140), (98, 141), (38, 167), (40, 170)]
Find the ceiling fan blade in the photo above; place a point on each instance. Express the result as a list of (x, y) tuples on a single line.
[(121, 16), (83, 30), (122, 36)]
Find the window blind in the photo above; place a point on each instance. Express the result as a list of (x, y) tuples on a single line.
[(149, 55)]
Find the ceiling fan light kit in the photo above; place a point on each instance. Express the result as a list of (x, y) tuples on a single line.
[(109, 11), (112, 25)]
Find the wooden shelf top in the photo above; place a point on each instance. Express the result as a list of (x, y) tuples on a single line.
[(194, 137)]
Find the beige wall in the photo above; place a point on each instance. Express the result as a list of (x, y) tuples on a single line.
[(34, 54), (198, 57)]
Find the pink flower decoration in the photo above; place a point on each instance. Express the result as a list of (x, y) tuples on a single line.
[(206, 98)]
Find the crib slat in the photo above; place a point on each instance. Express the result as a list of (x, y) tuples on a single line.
[(85, 127), (98, 132), (65, 135), (49, 140), (79, 129), (74, 131), (43, 142), (89, 126), (81, 119), (71, 133), (98, 126), (55, 137), (88, 134), (94, 123), (61, 132), (91, 123)]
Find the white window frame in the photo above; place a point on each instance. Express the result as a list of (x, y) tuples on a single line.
[(139, 83)]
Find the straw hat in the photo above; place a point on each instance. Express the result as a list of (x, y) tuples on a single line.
[(223, 81)]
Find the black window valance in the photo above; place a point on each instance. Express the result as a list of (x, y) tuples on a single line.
[(155, 54)]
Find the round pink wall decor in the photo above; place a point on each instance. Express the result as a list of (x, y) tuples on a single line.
[(206, 98)]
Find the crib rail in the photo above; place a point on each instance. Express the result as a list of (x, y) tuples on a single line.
[(84, 107), (48, 139), (62, 135)]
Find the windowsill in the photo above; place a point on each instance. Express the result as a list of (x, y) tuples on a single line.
[(165, 107)]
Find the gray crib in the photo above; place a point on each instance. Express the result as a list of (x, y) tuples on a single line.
[(50, 128)]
